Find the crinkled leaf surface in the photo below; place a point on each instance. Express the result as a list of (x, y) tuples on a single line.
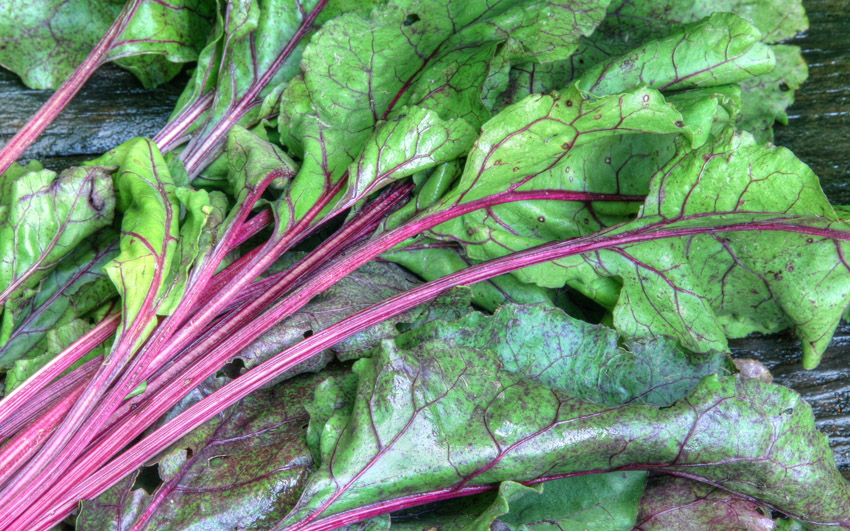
[(434, 55), (241, 66), (750, 280), (677, 503), (441, 417), (529, 146), (242, 470), (45, 218), (697, 289), (586, 361), (70, 291), (413, 140), (149, 234), (717, 50), (43, 42), (594, 502)]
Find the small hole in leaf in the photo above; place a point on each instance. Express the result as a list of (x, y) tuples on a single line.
[(148, 479), (189, 453), (411, 19), (233, 369), (788, 411), (307, 333), (784, 87)]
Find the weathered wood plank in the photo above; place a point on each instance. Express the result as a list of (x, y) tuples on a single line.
[(111, 108), (818, 129)]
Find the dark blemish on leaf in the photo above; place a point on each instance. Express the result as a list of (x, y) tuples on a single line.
[(307, 333), (810, 240), (777, 276), (679, 123), (516, 168), (586, 221), (597, 116), (565, 145), (470, 231), (788, 411), (498, 162), (411, 19), (189, 453), (569, 103), (541, 219), (784, 87), (607, 160), (645, 98), (789, 268)]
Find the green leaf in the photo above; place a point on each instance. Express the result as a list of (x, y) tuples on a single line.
[(55, 341), (441, 416), (247, 46), (43, 42), (70, 291), (635, 21), (586, 361), (747, 281), (563, 142), (594, 502), (160, 38), (46, 217), (413, 140), (717, 50), (199, 232), (149, 235), (414, 55), (243, 469), (678, 503)]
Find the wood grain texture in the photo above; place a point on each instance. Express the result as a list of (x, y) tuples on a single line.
[(113, 107)]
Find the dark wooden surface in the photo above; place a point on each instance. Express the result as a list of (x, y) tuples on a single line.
[(113, 107)]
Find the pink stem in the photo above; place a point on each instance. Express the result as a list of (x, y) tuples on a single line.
[(171, 135), (30, 388), (60, 504), (200, 152), (48, 112), (17, 451)]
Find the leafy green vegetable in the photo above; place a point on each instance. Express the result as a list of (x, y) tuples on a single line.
[(43, 42), (607, 166), (149, 236), (42, 219), (244, 468), (441, 417)]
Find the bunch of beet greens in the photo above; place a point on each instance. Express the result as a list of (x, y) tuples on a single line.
[(587, 189)]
